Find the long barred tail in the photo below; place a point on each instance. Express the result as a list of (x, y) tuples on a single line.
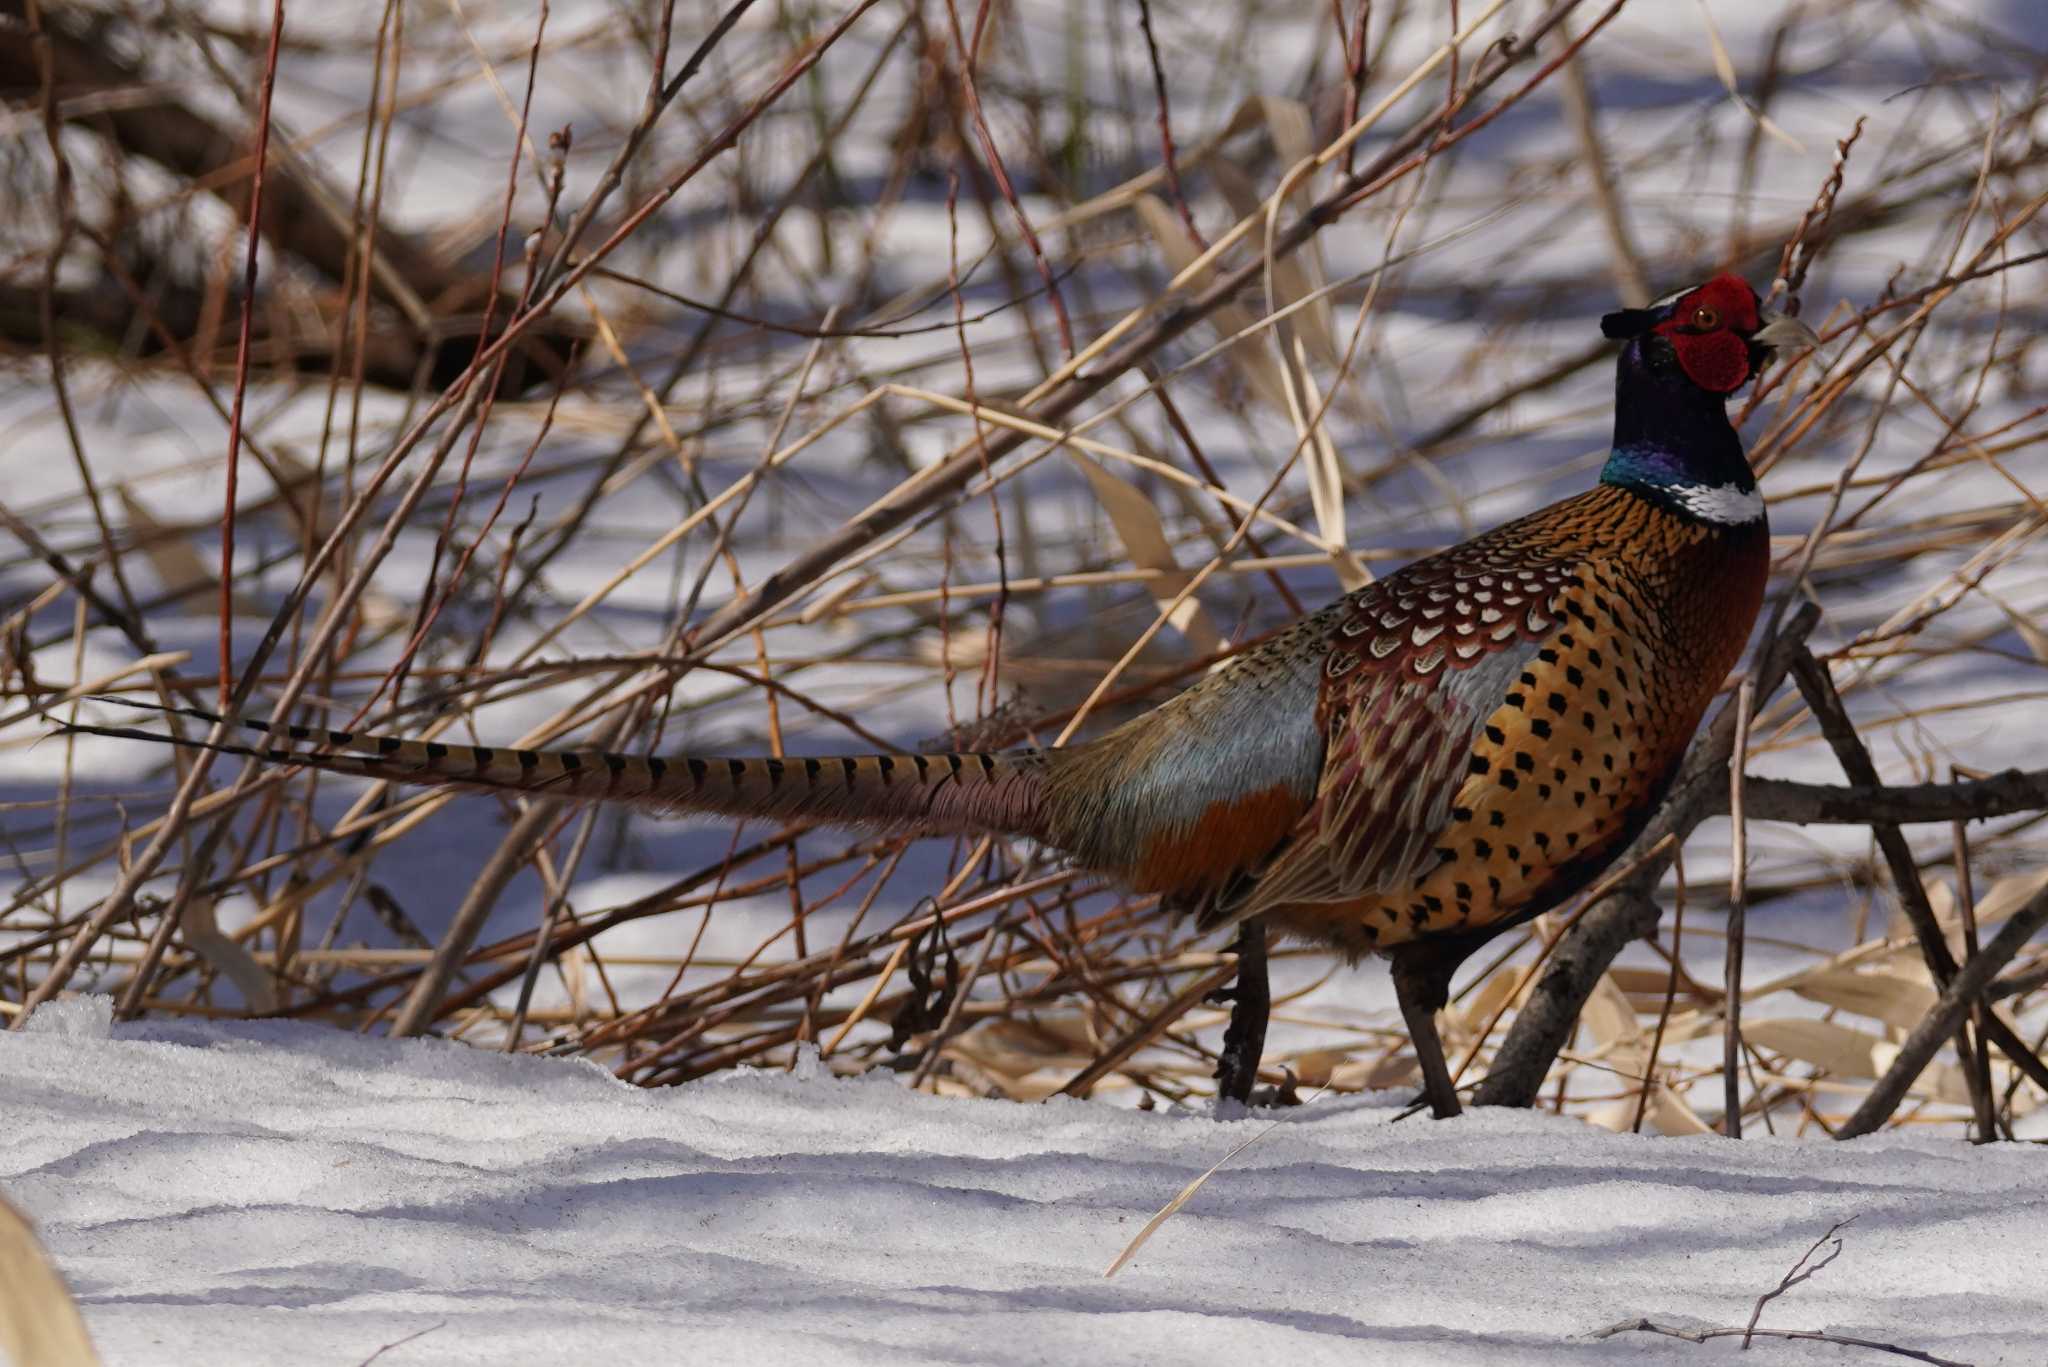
[(966, 793)]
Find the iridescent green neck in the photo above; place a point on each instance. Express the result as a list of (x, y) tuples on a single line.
[(1673, 443)]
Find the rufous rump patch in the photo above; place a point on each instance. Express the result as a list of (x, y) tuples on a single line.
[(1227, 839)]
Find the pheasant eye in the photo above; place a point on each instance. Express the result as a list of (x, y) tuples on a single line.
[(1705, 319)]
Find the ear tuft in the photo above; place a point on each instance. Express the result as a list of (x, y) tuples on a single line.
[(1628, 323)]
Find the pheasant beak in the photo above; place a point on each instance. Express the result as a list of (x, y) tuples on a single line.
[(1783, 332)]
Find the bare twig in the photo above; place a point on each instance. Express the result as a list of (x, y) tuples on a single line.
[(2011, 793), (1738, 904), (1631, 281), (724, 178), (1940, 1025), (1166, 156), (1799, 1272), (1979, 1061), (1647, 1326), (1818, 688), (1104, 362)]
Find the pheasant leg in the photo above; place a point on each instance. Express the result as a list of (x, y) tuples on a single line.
[(1251, 1000), (1420, 997)]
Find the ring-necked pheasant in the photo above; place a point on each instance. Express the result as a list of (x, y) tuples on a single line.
[(1409, 771)]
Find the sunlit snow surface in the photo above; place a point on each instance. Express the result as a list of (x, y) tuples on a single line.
[(265, 1193)]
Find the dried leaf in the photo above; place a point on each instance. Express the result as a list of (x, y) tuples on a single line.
[(1669, 1113), (1615, 1024), (1941, 900), (1254, 358), (39, 1322), (1317, 1067), (1187, 1194), (1724, 67), (1771, 128), (1144, 538), (1609, 1016), (1894, 998), (299, 487), (1905, 960), (1647, 986), (1692, 1024), (1294, 277), (2029, 630), (1640, 982), (1326, 494), (1025, 1059), (176, 560), (1941, 1081), (1251, 355), (1849, 1053), (2008, 895), (1293, 133), (1837, 1048), (1483, 1004), (202, 934)]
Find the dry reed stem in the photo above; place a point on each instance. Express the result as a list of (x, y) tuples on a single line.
[(594, 540)]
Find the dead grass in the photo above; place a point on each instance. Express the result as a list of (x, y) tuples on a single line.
[(846, 356)]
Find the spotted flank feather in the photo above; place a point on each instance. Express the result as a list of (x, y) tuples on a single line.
[(1501, 717)]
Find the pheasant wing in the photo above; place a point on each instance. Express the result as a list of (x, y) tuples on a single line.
[(1415, 670)]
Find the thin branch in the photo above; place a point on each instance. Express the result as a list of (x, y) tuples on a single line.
[(1166, 154), (1647, 1326), (2012, 793), (234, 458), (1940, 1025), (1738, 904), (1799, 1272), (1818, 688), (1075, 385)]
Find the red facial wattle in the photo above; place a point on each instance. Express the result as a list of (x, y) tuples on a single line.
[(1709, 329), (1715, 361)]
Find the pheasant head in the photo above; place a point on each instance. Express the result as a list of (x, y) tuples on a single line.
[(1685, 355)]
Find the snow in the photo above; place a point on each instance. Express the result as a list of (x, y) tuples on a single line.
[(259, 1192)]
